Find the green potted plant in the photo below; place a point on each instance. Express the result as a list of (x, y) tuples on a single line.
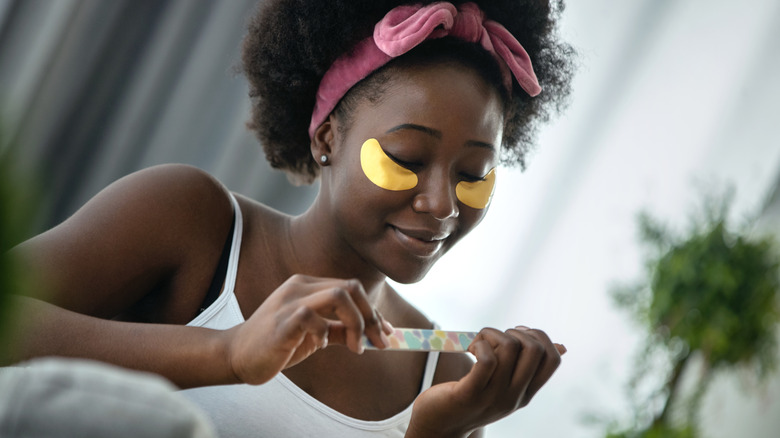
[(708, 303)]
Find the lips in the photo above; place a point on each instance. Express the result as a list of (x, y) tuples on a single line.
[(420, 242)]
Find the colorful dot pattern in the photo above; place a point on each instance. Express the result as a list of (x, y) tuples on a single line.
[(427, 340)]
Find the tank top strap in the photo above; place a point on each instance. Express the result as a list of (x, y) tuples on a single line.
[(430, 366), (225, 312), (235, 248), (430, 370)]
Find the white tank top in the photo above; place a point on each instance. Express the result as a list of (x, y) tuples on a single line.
[(278, 408)]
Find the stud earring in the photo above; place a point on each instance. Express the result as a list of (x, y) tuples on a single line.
[(324, 159)]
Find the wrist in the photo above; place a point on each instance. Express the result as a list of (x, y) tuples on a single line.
[(224, 353)]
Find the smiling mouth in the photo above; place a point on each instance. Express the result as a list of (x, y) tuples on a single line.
[(418, 242)]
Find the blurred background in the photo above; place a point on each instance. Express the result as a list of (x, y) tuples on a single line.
[(672, 99)]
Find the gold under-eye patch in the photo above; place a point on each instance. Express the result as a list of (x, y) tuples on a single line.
[(477, 194), (382, 170)]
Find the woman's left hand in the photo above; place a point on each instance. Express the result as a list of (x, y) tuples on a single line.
[(511, 367)]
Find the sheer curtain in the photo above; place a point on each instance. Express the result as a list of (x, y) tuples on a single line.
[(91, 90)]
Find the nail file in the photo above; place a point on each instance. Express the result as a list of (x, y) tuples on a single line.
[(408, 339)]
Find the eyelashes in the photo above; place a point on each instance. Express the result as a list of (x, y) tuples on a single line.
[(386, 173)]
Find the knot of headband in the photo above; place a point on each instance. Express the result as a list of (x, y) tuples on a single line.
[(404, 28)]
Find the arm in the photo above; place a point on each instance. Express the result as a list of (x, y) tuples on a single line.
[(303, 315), (131, 241), (188, 356), (159, 232)]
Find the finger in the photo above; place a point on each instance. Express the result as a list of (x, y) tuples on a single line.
[(553, 357), (300, 286), (554, 350), (338, 302), (539, 362), (507, 350), (372, 320), (337, 333), (387, 328), (479, 377), (302, 323), (384, 328)]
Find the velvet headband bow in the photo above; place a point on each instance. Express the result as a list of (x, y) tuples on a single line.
[(405, 27)]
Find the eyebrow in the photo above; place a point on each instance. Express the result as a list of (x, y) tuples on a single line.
[(436, 134), (430, 131)]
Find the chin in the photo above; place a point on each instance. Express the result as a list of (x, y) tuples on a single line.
[(409, 275), (404, 266)]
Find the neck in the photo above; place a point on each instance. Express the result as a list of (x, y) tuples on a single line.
[(318, 250)]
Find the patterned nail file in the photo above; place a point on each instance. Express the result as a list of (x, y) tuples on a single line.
[(426, 340)]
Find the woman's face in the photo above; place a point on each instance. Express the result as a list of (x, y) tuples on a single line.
[(444, 124)]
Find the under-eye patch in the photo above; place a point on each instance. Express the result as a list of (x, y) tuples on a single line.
[(477, 194), (382, 170)]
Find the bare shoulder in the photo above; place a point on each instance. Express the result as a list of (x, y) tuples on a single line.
[(174, 185), (175, 200), (142, 234)]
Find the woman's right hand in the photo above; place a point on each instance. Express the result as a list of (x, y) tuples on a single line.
[(302, 315)]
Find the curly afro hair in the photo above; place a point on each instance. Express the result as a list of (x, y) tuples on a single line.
[(290, 44)]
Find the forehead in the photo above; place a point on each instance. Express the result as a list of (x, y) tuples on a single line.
[(449, 98)]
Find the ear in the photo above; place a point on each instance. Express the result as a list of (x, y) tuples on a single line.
[(323, 140)]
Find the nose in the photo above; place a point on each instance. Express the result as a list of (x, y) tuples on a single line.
[(436, 196)]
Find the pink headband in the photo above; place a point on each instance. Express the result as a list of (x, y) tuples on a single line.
[(405, 27)]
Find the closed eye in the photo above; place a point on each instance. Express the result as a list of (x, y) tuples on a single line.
[(471, 178), (405, 164)]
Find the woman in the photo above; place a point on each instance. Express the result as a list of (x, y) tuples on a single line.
[(403, 112)]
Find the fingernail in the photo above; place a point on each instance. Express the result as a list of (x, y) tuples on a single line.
[(561, 349), (522, 327), (388, 328), (385, 339)]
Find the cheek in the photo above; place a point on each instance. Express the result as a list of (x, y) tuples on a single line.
[(472, 217), (371, 183), (362, 201)]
